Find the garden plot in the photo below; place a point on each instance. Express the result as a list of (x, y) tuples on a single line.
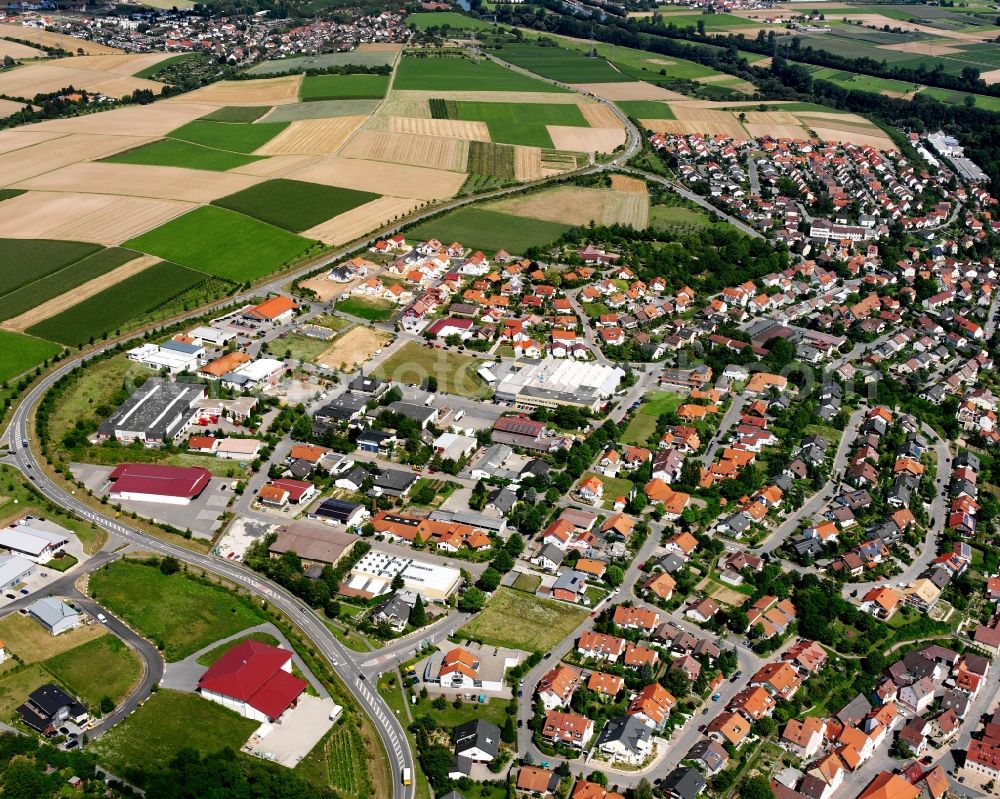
[(313, 136), (100, 218), (402, 148), (355, 223), (49, 39), (585, 140), (446, 128), (397, 180), (158, 182), (270, 91)]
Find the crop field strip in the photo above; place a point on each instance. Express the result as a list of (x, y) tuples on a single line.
[(356, 222), (404, 148), (490, 230), (343, 87), (451, 128), (492, 160), (294, 205), (233, 137), (263, 91), (397, 180), (363, 59), (321, 109), (237, 113), (115, 306), (176, 153), (447, 73), (313, 136), (37, 259), (557, 63)]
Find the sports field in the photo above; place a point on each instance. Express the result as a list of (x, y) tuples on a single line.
[(112, 308), (234, 137), (521, 621), (343, 87), (222, 243), (461, 74), (294, 205), (490, 230), (173, 152), (19, 353)]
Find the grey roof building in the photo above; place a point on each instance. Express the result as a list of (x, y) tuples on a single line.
[(683, 783), (54, 615), (478, 740), (625, 738), (155, 414), (344, 408), (394, 482), (418, 413)]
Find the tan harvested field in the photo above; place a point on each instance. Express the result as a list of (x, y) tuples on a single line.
[(18, 165), (355, 223), (585, 140), (402, 107), (266, 91), (404, 148), (636, 90), (777, 131), (312, 136), (447, 128), (17, 138), (45, 77), (325, 288), (397, 180), (100, 218), (527, 163), (380, 47), (924, 48), (575, 205), (154, 120), (991, 77), (686, 113), (124, 64), (733, 128), (8, 107), (354, 347), (414, 95), (140, 180), (880, 142), (59, 304), (277, 166), (49, 39), (18, 50), (599, 115), (628, 184)]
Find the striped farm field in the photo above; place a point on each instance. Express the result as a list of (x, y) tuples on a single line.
[(449, 128), (223, 243), (403, 148), (19, 353), (343, 87), (628, 184), (265, 91), (36, 259), (240, 138), (437, 73), (355, 223), (294, 205), (116, 305), (313, 136), (599, 115)]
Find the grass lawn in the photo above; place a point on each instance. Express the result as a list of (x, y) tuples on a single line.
[(334, 323), (36, 258), (114, 307), (490, 231), (294, 205), (527, 582), (613, 487), (643, 424), (669, 215), (99, 668), (25, 638), (343, 87), (233, 137), (19, 353), (461, 74), (455, 373), (36, 292), (223, 243), (187, 615), (430, 19), (209, 658), (302, 348), (646, 109), (494, 710), (369, 309), (63, 564), (237, 113), (16, 685), (519, 621), (174, 152), (168, 722)]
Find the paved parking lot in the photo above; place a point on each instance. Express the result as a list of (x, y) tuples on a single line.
[(201, 516), (299, 730)]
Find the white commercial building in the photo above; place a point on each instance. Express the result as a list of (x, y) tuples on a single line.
[(32, 542), (373, 575), (174, 356), (54, 615), (13, 570), (552, 382), (255, 374)]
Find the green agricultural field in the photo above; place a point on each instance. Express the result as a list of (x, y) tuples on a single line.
[(223, 243), (568, 66), (646, 109), (278, 66), (52, 285), (674, 215), (302, 348), (99, 668), (36, 258), (461, 74), (9, 194), (322, 109), (228, 136), (438, 19), (491, 160), (712, 22), (294, 205), (520, 621), (242, 114), (19, 353), (343, 87), (643, 424), (455, 373), (490, 231), (372, 310), (114, 307), (521, 123), (338, 761), (212, 655), (187, 615), (643, 64), (166, 723), (172, 152)]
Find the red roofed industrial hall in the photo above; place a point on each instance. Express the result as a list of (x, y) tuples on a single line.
[(253, 679), (151, 482)]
